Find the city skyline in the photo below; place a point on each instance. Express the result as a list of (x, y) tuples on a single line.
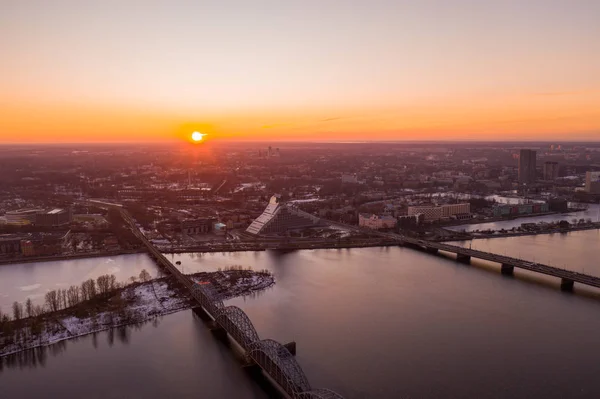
[(341, 71)]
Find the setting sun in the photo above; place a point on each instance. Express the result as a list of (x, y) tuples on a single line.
[(197, 136)]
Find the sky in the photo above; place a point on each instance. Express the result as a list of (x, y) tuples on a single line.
[(144, 71)]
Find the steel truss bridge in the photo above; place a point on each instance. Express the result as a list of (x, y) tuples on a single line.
[(272, 357)]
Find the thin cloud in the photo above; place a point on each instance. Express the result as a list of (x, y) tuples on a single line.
[(330, 119)]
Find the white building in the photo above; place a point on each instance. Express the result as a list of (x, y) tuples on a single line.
[(376, 222), (434, 213), (351, 179)]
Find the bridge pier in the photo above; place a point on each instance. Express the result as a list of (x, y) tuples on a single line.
[(201, 313), (217, 330), (463, 258), (507, 270), (432, 251), (566, 284)]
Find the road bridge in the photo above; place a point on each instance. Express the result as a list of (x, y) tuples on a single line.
[(273, 358), (508, 264), (568, 278)]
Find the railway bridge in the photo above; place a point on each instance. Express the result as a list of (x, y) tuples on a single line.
[(275, 359)]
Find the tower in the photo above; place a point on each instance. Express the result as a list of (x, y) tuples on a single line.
[(527, 172)]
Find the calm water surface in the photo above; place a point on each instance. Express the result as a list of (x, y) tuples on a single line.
[(591, 213), (369, 323), (177, 358), (32, 280)]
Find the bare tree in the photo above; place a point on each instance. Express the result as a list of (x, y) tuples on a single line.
[(17, 309), (64, 298), (73, 295), (113, 282), (53, 300), (88, 289), (145, 276), (29, 307), (38, 310), (103, 285)]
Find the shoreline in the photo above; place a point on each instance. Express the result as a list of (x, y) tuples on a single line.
[(52, 258), (505, 219), (525, 233), (278, 246), (239, 247)]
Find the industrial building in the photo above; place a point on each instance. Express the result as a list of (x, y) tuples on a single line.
[(376, 222), (54, 217), (39, 217), (22, 217), (523, 209), (279, 217), (197, 226)]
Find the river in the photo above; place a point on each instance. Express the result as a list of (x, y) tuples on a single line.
[(32, 280), (370, 323)]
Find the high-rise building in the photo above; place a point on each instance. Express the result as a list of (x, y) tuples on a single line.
[(592, 182), (550, 170), (527, 166)]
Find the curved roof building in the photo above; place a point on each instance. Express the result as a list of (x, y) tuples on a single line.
[(279, 217)]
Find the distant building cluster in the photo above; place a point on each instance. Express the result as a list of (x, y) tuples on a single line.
[(351, 179), (522, 209), (39, 217), (33, 244), (433, 213), (269, 153), (279, 217), (376, 222)]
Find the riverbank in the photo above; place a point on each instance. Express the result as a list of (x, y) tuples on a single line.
[(469, 222), (534, 233), (275, 245), (133, 304), (507, 233)]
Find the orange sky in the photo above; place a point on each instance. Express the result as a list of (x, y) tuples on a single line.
[(349, 70)]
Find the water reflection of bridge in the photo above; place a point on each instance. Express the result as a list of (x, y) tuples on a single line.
[(273, 358)]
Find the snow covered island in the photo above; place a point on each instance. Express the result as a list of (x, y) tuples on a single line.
[(132, 304)]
